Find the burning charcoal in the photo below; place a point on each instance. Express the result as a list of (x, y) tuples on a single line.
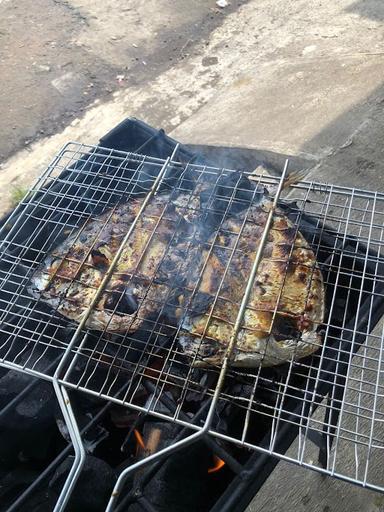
[(93, 488), (162, 489)]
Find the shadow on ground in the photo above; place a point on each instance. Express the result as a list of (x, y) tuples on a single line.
[(372, 9), (359, 162)]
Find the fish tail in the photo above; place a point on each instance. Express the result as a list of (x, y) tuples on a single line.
[(294, 177)]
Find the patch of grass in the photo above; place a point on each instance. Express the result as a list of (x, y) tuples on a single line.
[(17, 193)]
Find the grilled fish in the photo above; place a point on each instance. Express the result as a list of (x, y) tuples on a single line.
[(286, 306), (145, 278), (160, 265)]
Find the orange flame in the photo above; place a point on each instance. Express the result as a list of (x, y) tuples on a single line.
[(218, 464), (139, 439)]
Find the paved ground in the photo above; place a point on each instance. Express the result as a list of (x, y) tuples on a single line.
[(300, 77), (77, 51)]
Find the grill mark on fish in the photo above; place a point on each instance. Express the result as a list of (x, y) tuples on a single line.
[(145, 275), (286, 306), (160, 265)]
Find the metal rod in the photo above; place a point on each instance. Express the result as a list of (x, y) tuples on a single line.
[(111, 268), (20, 500), (348, 250), (78, 447), (35, 186), (61, 393), (218, 450), (196, 435), (35, 381)]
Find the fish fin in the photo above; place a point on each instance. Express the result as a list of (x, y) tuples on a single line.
[(294, 177)]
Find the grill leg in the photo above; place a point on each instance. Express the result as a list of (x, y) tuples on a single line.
[(74, 433)]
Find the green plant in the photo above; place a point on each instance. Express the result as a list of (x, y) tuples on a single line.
[(17, 193)]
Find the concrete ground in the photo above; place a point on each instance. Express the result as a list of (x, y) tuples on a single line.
[(299, 77)]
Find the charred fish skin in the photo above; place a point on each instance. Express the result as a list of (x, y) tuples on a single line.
[(145, 279), (286, 307)]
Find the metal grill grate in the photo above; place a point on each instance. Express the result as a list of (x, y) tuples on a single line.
[(341, 381)]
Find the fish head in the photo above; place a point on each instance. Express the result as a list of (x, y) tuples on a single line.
[(202, 351)]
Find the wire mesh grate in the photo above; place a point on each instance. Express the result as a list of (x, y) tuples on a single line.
[(187, 224)]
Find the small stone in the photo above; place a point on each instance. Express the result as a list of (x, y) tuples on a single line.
[(309, 49), (44, 67), (209, 61)]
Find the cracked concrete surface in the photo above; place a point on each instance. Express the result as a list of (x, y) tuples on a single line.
[(294, 76)]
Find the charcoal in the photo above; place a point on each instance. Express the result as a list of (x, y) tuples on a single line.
[(27, 446), (37, 405), (36, 410), (27, 428), (190, 465), (121, 417), (93, 488), (94, 436), (85, 370), (12, 484), (86, 408), (41, 501)]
